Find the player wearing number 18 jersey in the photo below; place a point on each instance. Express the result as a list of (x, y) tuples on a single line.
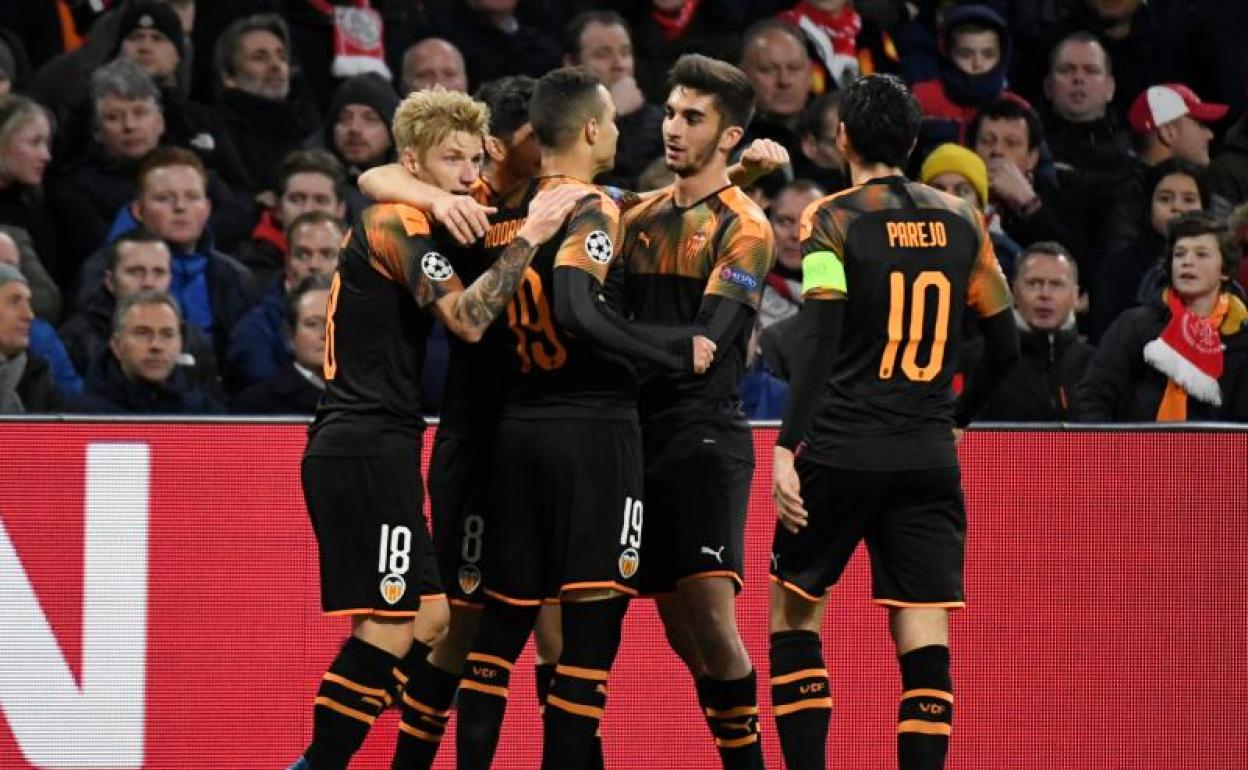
[(889, 267)]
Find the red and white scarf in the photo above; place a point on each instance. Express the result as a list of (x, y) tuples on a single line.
[(358, 43)]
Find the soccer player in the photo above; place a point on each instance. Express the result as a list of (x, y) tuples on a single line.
[(360, 471), (698, 253), (567, 510), (889, 267)]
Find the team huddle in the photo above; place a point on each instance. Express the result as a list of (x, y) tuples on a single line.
[(592, 447)]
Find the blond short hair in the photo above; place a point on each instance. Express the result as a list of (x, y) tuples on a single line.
[(425, 118)]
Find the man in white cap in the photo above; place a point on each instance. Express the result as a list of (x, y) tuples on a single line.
[(1170, 121)]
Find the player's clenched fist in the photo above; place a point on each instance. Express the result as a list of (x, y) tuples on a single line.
[(703, 354), (764, 156), (547, 211)]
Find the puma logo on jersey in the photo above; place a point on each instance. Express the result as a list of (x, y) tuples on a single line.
[(719, 555)]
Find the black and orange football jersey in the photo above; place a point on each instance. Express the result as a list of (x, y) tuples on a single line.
[(391, 268), (674, 257), (557, 373), (908, 260)]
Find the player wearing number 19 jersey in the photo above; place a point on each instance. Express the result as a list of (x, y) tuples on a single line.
[(889, 268)]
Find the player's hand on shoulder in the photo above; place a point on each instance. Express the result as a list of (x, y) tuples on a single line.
[(548, 210), (786, 489), (764, 156), (462, 216), (703, 353)]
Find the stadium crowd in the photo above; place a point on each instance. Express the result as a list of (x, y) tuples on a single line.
[(176, 177)]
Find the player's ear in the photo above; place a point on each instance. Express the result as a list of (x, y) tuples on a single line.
[(409, 161), (592, 129), (842, 140), (730, 138), (495, 148)]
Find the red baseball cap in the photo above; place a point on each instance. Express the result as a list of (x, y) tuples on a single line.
[(1158, 105)]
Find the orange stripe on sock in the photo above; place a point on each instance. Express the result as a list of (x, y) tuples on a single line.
[(739, 711), (928, 693), (806, 673), (478, 657), (592, 674), (334, 705), (353, 686), (574, 708), (924, 728), (802, 705), (422, 708), (421, 734), (736, 743), (488, 689)]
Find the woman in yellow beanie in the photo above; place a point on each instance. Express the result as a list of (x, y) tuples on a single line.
[(953, 169)]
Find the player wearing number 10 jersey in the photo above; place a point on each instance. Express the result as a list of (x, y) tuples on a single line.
[(889, 267)]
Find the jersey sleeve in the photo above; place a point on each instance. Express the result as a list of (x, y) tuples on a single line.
[(746, 256), (401, 247), (823, 251), (988, 292), (592, 234)]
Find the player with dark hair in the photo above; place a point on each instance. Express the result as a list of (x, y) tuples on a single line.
[(889, 268), (698, 253), (361, 468)]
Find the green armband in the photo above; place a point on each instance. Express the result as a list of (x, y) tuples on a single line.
[(823, 271)]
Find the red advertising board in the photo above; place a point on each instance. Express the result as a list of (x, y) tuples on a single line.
[(159, 609)]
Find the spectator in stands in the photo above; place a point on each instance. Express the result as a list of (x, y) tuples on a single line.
[(1170, 121), (1184, 355), (845, 43), (307, 180), (433, 62), (782, 294), (763, 394), (1143, 51), (600, 41), (774, 58), (264, 120), (139, 374), (1122, 279), (150, 35), (25, 381), (357, 130), (955, 170), (25, 152), (494, 41), (975, 57), (138, 260), (259, 345), (819, 161), (8, 66), (45, 343), (1237, 223), (1007, 135), (298, 385), (1228, 173), (47, 298), (1053, 359), (665, 29)]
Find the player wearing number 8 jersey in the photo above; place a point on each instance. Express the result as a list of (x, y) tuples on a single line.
[(361, 468), (889, 268)]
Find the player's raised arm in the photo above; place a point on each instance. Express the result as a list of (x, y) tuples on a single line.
[(462, 216), (468, 313)]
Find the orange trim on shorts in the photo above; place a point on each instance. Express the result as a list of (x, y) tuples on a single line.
[(924, 692), (488, 689), (736, 743), (353, 686), (793, 588), (713, 574), (920, 605), (924, 728), (421, 734), (514, 602), (370, 611), (573, 708), (465, 604), (739, 711), (433, 597), (334, 705), (493, 659), (568, 587), (802, 705), (422, 708), (805, 673), (593, 674)]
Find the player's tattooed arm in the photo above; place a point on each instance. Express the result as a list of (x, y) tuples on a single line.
[(468, 313)]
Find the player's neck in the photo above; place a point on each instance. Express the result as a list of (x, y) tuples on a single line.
[(688, 190), (861, 174), (569, 165)]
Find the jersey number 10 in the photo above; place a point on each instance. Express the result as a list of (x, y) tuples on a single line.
[(915, 334)]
